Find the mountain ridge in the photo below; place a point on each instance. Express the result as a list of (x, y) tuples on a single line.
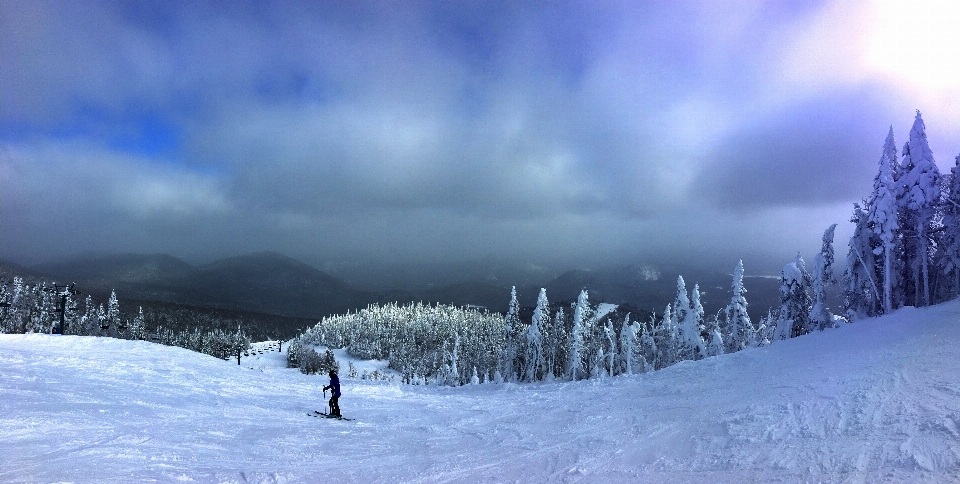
[(273, 283)]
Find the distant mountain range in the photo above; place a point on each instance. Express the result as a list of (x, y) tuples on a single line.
[(272, 283)]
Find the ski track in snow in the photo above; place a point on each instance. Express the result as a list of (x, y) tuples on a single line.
[(875, 401)]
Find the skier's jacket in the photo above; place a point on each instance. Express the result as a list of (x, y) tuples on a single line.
[(334, 385)]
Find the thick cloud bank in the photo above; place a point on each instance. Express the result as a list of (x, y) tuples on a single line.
[(426, 130)]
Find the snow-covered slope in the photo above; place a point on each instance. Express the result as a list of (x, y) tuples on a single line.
[(875, 401)]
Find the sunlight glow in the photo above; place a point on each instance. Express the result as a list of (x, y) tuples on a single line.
[(916, 42)]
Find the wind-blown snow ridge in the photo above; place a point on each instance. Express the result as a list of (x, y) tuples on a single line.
[(874, 401)]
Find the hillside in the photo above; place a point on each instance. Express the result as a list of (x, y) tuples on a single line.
[(271, 283), (874, 401), (264, 282)]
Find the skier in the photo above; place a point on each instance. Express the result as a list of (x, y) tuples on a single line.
[(334, 386)]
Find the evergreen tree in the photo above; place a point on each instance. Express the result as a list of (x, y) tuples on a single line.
[(581, 314), (766, 329), (795, 301), (688, 342), (884, 221), (681, 304), (534, 355), (239, 343), (113, 315), (138, 327), (610, 351), (557, 352), (512, 331), (103, 324), (649, 351), (739, 329), (698, 324), (475, 379), (861, 294), (918, 194), (820, 316), (665, 339), (453, 377), (884, 218), (20, 304), (5, 297), (714, 341), (44, 313), (596, 355), (629, 347)]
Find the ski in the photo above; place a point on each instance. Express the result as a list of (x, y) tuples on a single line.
[(319, 414)]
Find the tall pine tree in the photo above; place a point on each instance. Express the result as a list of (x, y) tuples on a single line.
[(540, 321), (917, 196), (581, 315), (739, 329), (884, 219), (511, 335)]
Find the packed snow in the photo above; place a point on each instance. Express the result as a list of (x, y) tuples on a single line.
[(873, 401)]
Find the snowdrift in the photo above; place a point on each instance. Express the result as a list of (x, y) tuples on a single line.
[(874, 401)]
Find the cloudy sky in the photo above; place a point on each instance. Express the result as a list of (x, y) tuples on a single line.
[(583, 132)]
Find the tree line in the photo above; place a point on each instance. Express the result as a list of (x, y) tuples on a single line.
[(48, 308)]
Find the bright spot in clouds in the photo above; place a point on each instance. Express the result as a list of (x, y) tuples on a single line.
[(916, 42)]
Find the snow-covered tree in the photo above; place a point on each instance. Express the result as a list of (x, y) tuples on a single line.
[(104, 325), (681, 304), (767, 329), (795, 301), (739, 329), (648, 345), (113, 315), (20, 303), (453, 377), (610, 350), (917, 197), (42, 315), (556, 351), (820, 316), (5, 297), (714, 342), (512, 330), (883, 218), (861, 294), (688, 343), (138, 326), (534, 354), (596, 356), (239, 343), (581, 315), (697, 313), (475, 379), (665, 339), (627, 345)]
